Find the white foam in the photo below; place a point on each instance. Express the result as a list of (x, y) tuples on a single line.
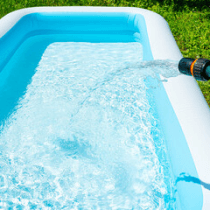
[(81, 136)]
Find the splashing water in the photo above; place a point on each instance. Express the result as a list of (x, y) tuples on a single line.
[(82, 136)]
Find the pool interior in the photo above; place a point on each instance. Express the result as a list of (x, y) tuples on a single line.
[(54, 65), (95, 29)]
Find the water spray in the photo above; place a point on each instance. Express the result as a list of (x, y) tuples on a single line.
[(199, 68)]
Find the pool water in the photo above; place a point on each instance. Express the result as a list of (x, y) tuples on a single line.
[(85, 132)]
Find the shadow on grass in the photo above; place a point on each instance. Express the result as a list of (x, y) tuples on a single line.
[(179, 5)]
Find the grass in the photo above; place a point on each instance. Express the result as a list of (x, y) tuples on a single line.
[(189, 21)]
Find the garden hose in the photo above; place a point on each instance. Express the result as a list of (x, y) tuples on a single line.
[(199, 68)]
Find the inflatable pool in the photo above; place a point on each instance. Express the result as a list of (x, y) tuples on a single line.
[(183, 112)]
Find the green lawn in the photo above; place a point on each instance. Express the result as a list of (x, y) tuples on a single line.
[(189, 21)]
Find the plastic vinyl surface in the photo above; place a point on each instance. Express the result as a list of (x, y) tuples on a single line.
[(185, 98)]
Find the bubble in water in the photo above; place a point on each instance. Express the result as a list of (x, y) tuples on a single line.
[(82, 136)]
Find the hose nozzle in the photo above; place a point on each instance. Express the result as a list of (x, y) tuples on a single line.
[(199, 68)]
